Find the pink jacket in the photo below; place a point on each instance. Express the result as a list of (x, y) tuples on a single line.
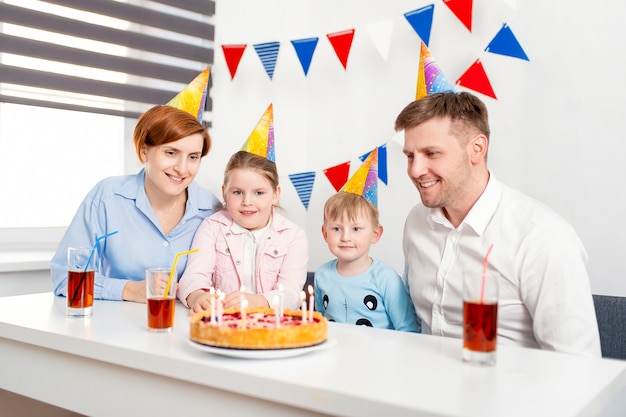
[(282, 257)]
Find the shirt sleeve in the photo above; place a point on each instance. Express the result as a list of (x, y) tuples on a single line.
[(83, 230), (557, 293), (200, 265), (398, 303)]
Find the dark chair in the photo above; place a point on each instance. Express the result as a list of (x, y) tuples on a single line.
[(611, 315)]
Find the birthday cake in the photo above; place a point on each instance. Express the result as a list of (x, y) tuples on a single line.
[(260, 329)]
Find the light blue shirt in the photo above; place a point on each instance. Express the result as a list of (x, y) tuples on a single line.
[(120, 203), (376, 298)]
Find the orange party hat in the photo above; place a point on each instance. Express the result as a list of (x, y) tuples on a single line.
[(261, 140), (430, 78), (193, 98), (364, 182)]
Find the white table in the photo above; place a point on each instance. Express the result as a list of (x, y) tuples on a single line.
[(111, 365)]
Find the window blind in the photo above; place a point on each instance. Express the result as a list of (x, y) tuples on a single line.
[(103, 56)]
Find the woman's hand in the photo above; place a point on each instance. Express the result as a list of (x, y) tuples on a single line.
[(134, 291)]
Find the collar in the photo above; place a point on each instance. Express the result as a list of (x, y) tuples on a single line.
[(479, 215)]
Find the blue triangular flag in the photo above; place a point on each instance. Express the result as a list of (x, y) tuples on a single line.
[(422, 21), (268, 53), (505, 43), (303, 182), (305, 48), (382, 162)]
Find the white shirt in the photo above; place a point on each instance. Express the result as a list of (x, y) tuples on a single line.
[(249, 254), (544, 293)]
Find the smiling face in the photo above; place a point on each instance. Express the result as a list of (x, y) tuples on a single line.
[(249, 197), (349, 238), (171, 167), (447, 168), (350, 227)]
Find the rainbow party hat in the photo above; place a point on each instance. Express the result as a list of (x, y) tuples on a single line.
[(261, 140), (364, 182), (430, 78), (193, 97)]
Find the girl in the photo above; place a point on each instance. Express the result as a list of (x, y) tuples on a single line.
[(248, 244)]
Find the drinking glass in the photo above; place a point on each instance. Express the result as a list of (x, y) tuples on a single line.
[(161, 300), (81, 266), (480, 318)]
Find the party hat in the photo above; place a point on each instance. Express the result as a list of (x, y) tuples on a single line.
[(365, 180), (261, 140), (193, 97), (430, 78)]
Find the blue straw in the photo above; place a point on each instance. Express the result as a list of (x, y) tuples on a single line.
[(95, 246), (80, 284)]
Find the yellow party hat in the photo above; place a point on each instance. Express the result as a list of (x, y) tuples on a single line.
[(261, 140), (193, 98), (364, 181)]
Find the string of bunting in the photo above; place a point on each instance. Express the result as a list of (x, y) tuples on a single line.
[(430, 77)]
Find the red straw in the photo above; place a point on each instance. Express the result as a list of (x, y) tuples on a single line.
[(482, 288)]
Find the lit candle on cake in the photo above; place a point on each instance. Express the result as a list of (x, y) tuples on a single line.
[(212, 295), (311, 303), (276, 305), (303, 297)]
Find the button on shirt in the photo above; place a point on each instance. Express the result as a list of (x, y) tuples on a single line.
[(539, 261), (120, 203)]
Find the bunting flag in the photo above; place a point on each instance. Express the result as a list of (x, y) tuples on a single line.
[(382, 162), (261, 140), (342, 42), (268, 54), (380, 35), (305, 49), (462, 9), (430, 78), (365, 180), (475, 78), (505, 43), (421, 20), (232, 55), (303, 183), (193, 98), (338, 175)]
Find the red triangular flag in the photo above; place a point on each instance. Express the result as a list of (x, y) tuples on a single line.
[(475, 78), (463, 11), (233, 54), (341, 42), (338, 175)]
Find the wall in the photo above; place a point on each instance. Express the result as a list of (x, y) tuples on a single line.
[(557, 124)]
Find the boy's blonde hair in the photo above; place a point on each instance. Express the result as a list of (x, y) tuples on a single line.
[(351, 205)]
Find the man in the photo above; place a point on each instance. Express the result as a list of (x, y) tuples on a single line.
[(539, 261)]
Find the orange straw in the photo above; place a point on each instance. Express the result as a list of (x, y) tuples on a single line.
[(482, 288), (173, 271)]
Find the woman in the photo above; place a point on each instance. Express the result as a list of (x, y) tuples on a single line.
[(155, 211)]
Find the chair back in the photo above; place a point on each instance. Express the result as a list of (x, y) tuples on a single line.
[(611, 316)]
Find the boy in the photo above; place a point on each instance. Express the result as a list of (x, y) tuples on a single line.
[(354, 288)]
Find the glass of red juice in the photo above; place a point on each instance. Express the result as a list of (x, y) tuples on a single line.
[(161, 299), (480, 318), (81, 263)]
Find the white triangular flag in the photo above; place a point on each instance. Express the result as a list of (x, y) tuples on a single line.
[(380, 34)]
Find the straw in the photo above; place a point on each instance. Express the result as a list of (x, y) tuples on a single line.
[(95, 246), (482, 288), (173, 271)]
